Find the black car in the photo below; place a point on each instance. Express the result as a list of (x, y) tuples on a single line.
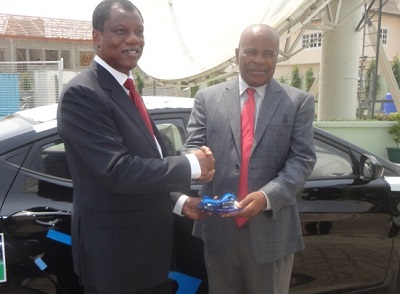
[(349, 210)]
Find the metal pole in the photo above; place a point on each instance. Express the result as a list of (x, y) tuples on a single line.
[(361, 86), (60, 76), (378, 41)]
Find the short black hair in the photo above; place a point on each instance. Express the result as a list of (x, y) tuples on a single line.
[(102, 11)]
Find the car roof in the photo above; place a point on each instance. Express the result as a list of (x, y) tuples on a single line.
[(25, 124), (160, 102), (43, 114)]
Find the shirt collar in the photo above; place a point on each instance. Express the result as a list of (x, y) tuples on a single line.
[(119, 76), (243, 87)]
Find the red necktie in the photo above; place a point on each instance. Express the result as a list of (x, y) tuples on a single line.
[(138, 101), (247, 134)]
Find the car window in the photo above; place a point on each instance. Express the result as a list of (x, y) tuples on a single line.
[(43, 178), (51, 160), (331, 162), (55, 161), (173, 134)]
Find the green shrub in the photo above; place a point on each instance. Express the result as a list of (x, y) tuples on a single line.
[(296, 80), (309, 78), (394, 130)]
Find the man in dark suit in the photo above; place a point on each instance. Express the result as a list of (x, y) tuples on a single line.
[(256, 255), (122, 212)]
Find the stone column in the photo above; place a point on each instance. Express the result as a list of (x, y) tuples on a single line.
[(339, 65)]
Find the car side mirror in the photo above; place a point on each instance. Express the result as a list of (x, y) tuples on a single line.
[(370, 168)]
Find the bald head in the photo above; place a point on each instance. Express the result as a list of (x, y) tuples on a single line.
[(257, 54), (261, 30)]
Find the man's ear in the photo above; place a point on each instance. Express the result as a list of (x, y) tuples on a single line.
[(237, 54), (96, 35)]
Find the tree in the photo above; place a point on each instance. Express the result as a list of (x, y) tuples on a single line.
[(309, 75), (215, 82), (296, 80), (396, 69), (25, 83), (193, 91), (369, 78), (282, 80), (138, 81)]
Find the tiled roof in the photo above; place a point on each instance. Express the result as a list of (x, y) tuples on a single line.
[(389, 6), (42, 27)]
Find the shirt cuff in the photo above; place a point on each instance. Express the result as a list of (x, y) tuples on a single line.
[(194, 166), (179, 205), (268, 206)]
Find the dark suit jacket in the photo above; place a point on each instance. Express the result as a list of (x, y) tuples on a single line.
[(281, 160), (122, 214)]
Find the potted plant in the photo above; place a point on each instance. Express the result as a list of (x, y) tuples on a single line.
[(394, 130)]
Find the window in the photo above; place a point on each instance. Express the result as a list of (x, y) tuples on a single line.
[(85, 58), (331, 162), (21, 54), (51, 161), (383, 36), (173, 133), (51, 55), (44, 174), (66, 56), (312, 40), (55, 161)]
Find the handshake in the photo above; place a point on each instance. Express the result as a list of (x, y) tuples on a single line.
[(207, 163)]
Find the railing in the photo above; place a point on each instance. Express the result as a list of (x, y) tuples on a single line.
[(25, 85)]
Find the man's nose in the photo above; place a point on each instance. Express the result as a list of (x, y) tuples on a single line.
[(133, 38), (259, 58)]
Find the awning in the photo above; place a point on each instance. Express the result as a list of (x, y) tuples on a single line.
[(187, 38)]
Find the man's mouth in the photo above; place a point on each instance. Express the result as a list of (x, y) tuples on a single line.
[(132, 51), (258, 72)]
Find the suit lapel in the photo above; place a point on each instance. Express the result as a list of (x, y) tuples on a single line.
[(268, 107), (119, 96), (232, 105)]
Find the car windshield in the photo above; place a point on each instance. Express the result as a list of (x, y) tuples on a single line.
[(39, 118), (9, 126)]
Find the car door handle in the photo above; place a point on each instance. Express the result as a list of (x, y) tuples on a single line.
[(43, 215), (48, 223)]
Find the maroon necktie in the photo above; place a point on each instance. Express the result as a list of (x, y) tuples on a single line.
[(247, 134), (138, 101)]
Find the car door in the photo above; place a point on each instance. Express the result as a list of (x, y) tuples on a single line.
[(189, 250), (346, 225), (38, 207)]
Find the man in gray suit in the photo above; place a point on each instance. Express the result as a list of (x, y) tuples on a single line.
[(256, 257)]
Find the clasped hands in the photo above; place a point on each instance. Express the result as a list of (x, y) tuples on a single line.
[(207, 166), (207, 163)]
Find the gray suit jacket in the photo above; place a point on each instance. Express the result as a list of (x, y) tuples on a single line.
[(282, 159)]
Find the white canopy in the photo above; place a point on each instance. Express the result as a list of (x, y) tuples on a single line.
[(185, 38)]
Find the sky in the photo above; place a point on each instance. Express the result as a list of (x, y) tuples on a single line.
[(66, 9), (176, 38)]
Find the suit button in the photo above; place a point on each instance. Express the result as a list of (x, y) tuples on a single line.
[(237, 166)]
